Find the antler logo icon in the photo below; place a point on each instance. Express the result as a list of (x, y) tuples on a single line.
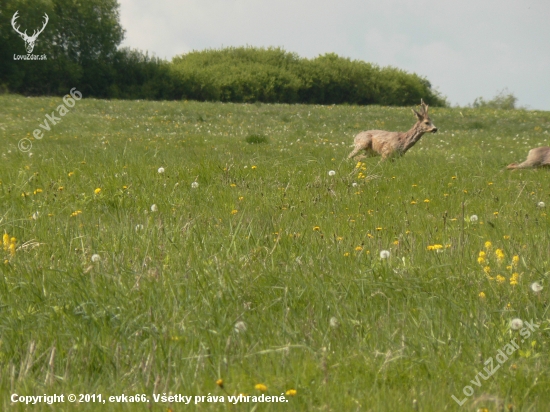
[(29, 40)]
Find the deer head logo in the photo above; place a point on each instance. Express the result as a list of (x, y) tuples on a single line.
[(29, 40)]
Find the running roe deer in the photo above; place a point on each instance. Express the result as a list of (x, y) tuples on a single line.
[(390, 144), (537, 157)]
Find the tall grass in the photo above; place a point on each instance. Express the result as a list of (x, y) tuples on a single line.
[(269, 239)]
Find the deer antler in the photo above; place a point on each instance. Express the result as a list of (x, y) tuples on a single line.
[(29, 40), (46, 20), (15, 16), (424, 107)]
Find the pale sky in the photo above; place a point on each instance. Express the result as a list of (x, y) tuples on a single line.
[(466, 48)]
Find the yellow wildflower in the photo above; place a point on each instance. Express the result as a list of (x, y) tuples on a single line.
[(481, 260), (515, 260), (500, 254), (234, 211), (481, 295), (291, 392), (6, 241), (396, 242), (500, 279), (506, 237), (339, 238), (316, 228), (233, 185), (426, 200), (482, 254), (488, 245), (219, 382), (97, 191), (514, 279), (346, 254), (71, 174), (261, 387), (254, 167), (487, 269), (359, 248), (413, 202), (11, 248)]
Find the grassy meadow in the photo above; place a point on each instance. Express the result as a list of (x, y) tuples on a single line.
[(246, 261)]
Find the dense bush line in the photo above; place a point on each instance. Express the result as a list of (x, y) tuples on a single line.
[(249, 74), (81, 44)]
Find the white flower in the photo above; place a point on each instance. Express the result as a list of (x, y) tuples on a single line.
[(541, 204), (333, 322), (384, 254), (161, 170), (139, 227), (536, 287), (354, 184), (96, 258), (194, 185), (240, 326), (35, 215), (331, 173), (473, 218), (516, 324), (154, 208)]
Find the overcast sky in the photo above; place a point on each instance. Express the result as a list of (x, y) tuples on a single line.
[(466, 48)]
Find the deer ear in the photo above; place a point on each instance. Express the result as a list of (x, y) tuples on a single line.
[(418, 115)]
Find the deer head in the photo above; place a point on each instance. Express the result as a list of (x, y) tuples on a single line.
[(29, 40), (424, 122)]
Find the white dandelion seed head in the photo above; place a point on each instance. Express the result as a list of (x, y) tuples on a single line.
[(30, 154), (35, 215), (240, 327), (161, 170), (194, 185), (516, 324), (154, 208), (541, 204), (473, 218), (331, 173), (96, 258), (354, 184), (333, 322), (536, 287), (384, 254)]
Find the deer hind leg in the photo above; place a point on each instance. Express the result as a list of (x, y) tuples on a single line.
[(362, 143), (355, 151)]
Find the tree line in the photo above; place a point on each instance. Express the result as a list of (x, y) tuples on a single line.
[(81, 44)]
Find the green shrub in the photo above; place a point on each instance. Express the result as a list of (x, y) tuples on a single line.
[(270, 75), (256, 139), (503, 100)]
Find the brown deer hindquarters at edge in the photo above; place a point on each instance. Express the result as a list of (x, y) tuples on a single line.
[(538, 157), (388, 144)]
